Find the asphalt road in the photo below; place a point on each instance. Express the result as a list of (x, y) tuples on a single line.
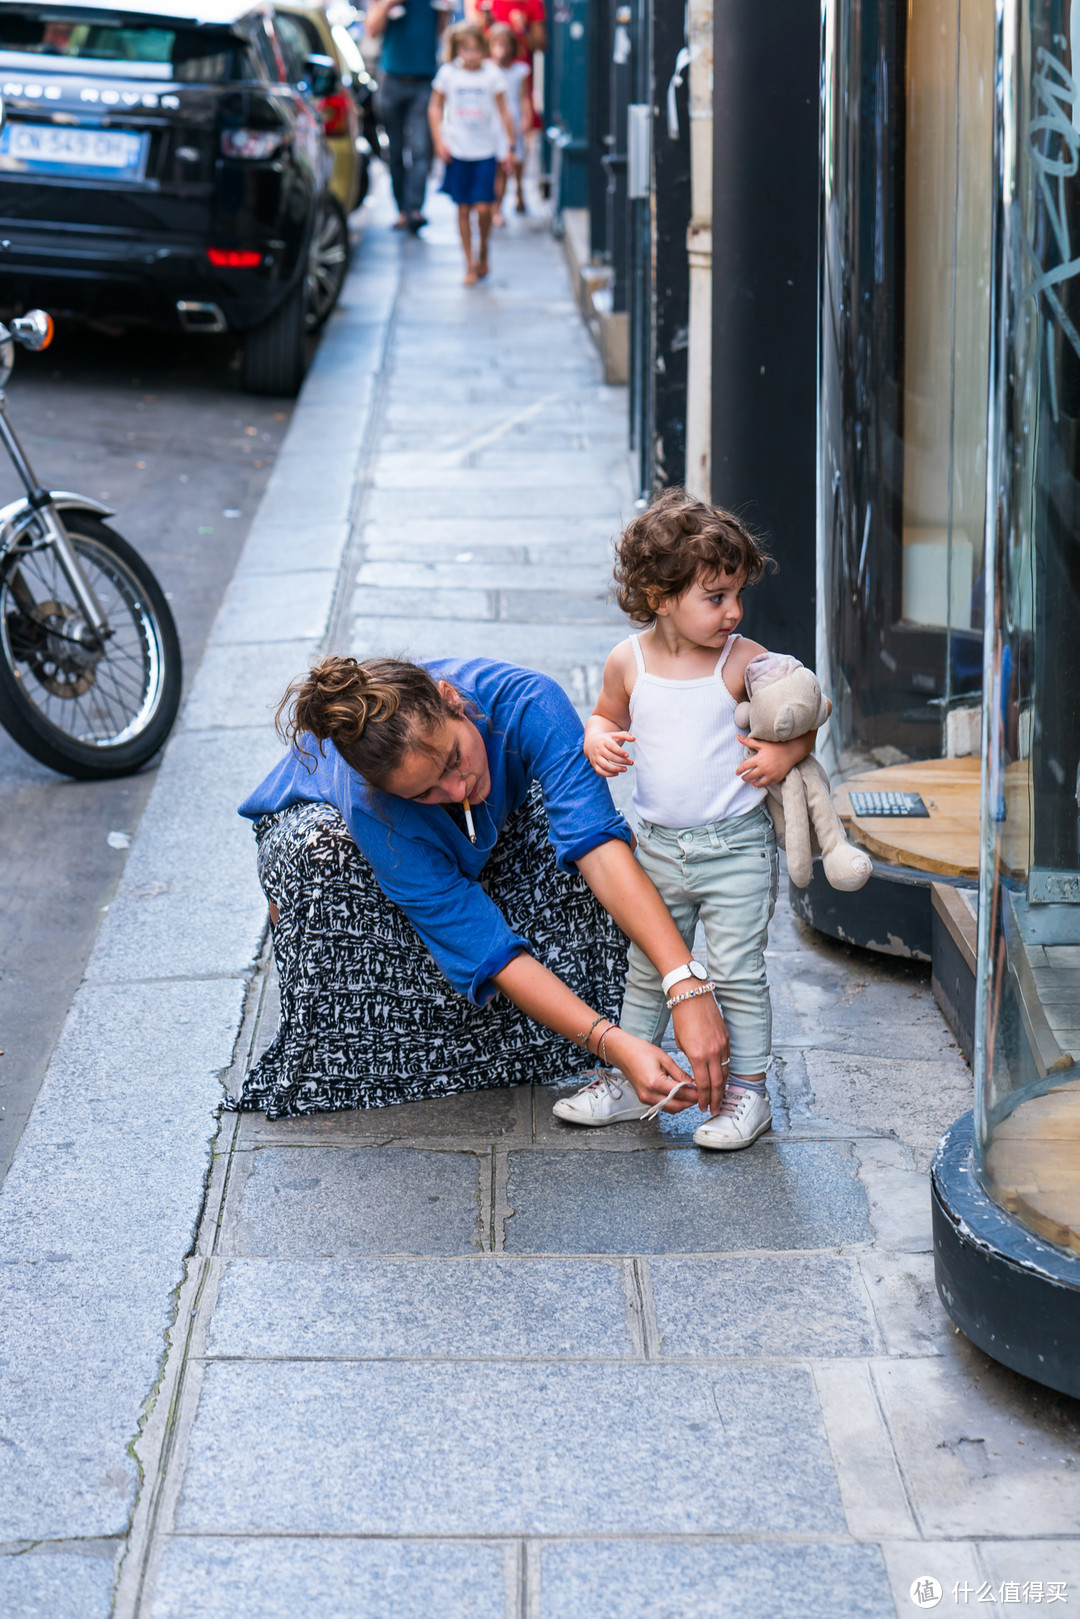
[(159, 428)]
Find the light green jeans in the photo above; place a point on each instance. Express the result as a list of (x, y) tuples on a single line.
[(726, 874)]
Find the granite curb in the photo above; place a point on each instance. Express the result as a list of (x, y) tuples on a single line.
[(101, 1205)]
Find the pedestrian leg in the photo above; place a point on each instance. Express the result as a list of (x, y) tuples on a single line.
[(500, 192), (392, 114), (483, 219), (418, 143), (519, 178), (464, 220)]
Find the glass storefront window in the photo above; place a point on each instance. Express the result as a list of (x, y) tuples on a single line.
[(906, 219), (1028, 1018)]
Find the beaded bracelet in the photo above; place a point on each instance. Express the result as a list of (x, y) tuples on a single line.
[(688, 995), (583, 1039)]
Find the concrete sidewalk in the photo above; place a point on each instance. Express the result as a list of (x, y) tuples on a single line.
[(455, 1358)]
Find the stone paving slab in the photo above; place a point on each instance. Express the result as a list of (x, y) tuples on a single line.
[(984, 1451), (261, 607), (169, 919), (508, 499), (236, 694), (876, 1092), (330, 1201), (55, 1585), (443, 1449), (229, 1578), (670, 1580), (812, 1304), (477, 1309), (819, 1000), (537, 646), (494, 1113), (770, 1197), (483, 574)]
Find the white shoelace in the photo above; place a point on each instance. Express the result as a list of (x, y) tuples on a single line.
[(655, 1111)]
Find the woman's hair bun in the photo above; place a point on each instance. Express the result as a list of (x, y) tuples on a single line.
[(371, 709)]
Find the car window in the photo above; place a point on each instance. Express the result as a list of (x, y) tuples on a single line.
[(195, 54), (296, 45)]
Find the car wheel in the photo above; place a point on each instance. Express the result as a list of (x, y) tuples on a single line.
[(276, 353), (328, 263)]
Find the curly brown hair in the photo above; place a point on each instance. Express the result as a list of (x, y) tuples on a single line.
[(676, 541), (373, 710)]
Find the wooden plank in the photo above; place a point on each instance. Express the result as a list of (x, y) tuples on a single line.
[(1033, 1164), (957, 912), (947, 841)]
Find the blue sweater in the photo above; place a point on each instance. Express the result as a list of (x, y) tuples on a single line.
[(422, 859)]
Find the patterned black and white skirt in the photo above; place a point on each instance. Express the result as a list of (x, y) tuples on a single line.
[(367, 1018)]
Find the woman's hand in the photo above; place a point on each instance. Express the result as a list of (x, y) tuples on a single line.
[(703, 1038), (650, 1070), (771, 761), (604, 753)]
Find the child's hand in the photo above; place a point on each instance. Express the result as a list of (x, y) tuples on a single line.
[(508, 163), (770, 762), (442, 151), (606, 756)]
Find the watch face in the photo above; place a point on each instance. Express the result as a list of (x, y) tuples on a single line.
[(698, 970)]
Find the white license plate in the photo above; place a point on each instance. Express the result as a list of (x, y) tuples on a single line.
[(45, 146)]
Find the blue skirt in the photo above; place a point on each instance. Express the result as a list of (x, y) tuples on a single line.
[(470, 180)]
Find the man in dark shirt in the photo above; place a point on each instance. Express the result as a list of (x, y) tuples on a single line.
[(410, 30)]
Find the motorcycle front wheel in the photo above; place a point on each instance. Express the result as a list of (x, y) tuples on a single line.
[(87, 709)]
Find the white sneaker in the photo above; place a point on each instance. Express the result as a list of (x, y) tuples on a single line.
[(607, 1100), (743, 1116)]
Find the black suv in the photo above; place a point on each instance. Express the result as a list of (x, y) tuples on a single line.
[(156, 165)]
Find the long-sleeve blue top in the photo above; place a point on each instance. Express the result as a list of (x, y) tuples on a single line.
[(422, 858)]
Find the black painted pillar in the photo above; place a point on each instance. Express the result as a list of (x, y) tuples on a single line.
[(764, 361), (671, 220)]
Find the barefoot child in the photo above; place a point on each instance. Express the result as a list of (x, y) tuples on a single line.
[(515, 76), (704, 837), (467, 106)]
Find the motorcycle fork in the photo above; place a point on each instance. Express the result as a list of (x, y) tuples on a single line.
[(56, 535)]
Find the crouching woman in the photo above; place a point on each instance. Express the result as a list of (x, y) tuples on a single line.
[(451, 892)]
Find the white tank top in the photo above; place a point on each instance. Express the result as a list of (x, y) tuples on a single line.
[(686, 748)]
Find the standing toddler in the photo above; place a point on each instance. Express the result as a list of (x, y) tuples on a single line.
[(705, 837)]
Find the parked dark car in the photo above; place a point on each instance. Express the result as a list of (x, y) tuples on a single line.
[(156, 165)]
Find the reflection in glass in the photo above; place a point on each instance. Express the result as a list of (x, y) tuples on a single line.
[(1028, 1095), (905, 330)]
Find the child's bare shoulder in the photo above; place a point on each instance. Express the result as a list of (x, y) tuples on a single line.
[(620, 670), (735, 667)]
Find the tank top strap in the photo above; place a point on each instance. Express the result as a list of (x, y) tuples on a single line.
[(720, 662), (635, 641)]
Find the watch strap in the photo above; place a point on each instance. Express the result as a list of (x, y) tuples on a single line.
[(689, 969)]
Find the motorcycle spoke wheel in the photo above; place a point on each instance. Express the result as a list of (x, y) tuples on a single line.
[(88, 708)]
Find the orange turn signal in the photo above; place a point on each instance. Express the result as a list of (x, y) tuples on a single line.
[(50, 332)]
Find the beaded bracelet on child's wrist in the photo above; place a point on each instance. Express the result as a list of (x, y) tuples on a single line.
[(688, 995)]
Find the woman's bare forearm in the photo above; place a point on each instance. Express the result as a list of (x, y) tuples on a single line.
[(628, 896)]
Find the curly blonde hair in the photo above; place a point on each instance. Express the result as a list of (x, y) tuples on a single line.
[(373, 710), (676, 541)]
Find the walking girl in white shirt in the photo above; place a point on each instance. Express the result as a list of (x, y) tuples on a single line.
[(515, 75), (470, 124)]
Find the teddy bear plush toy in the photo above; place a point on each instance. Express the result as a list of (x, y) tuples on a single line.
[(786, 701)]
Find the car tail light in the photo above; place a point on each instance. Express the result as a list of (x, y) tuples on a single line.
[(233, 258), (253, 144), (334, 111)]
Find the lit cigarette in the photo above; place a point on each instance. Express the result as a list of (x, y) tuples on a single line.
[(469, 821)]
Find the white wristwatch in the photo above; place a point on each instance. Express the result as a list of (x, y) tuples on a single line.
[(690, 969)]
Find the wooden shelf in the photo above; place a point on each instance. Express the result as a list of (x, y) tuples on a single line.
[(1033, 1164), (947, 842)]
